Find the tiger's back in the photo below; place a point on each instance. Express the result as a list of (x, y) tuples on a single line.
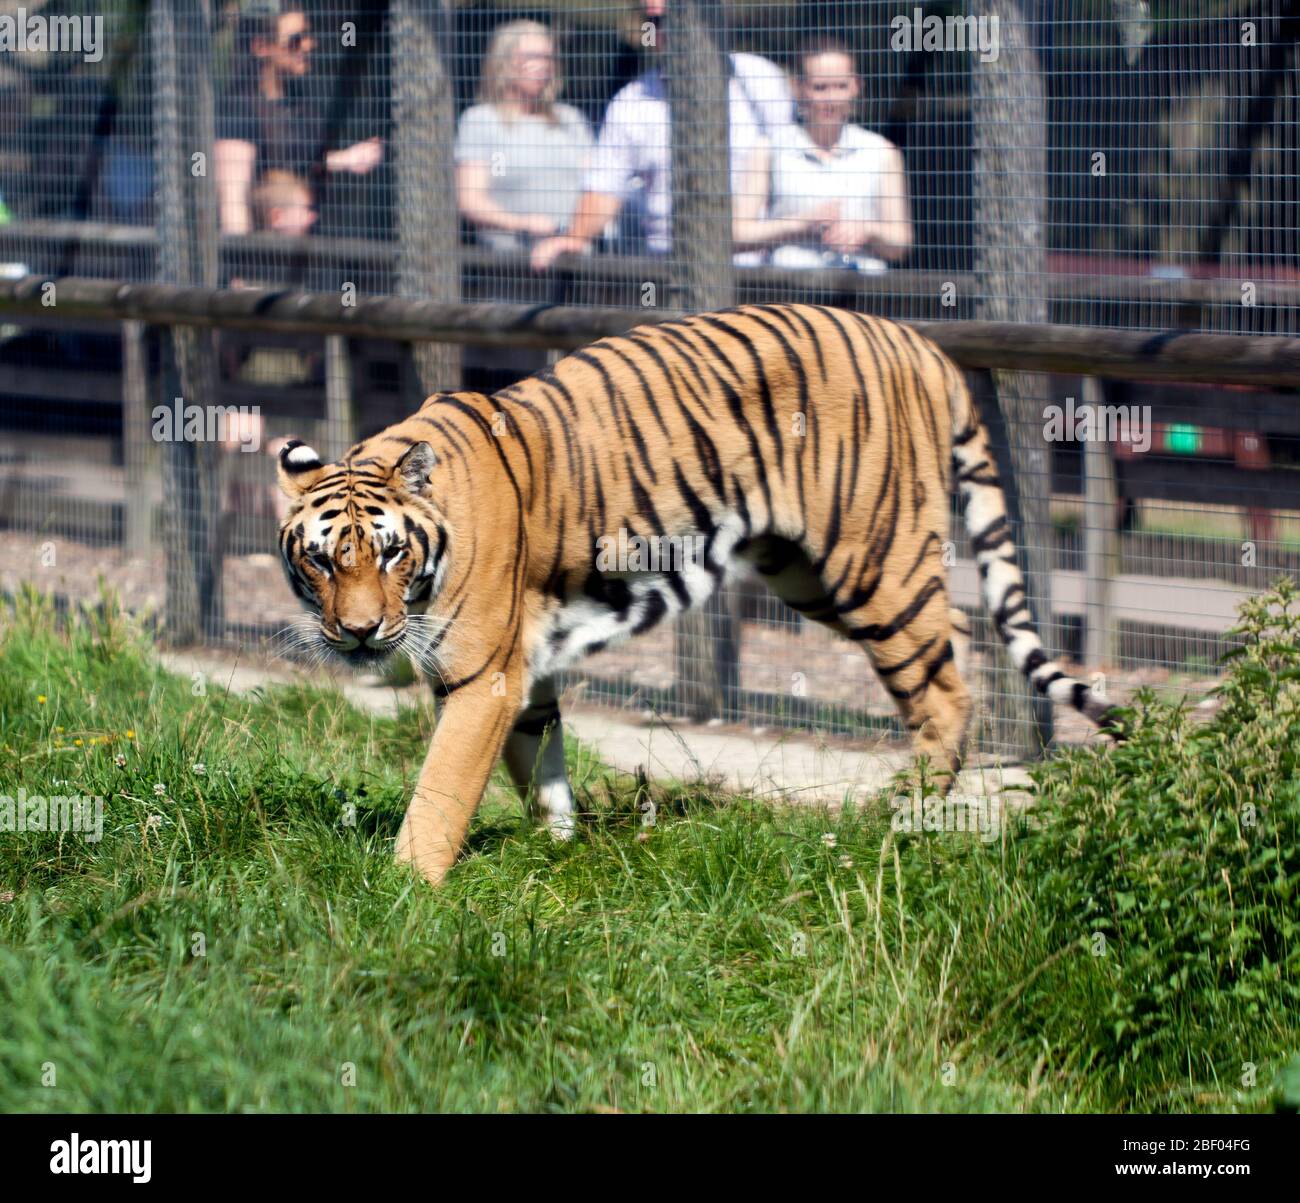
[(804, 439)]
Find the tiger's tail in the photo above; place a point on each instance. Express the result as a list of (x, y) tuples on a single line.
[(985, 508)]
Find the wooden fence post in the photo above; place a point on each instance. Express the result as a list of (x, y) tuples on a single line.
[(706, 641), (1100, 541), (424, 123), (1009, 137), (340, 431), (187, 254), (138, 457)]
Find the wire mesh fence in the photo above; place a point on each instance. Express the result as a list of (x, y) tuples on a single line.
[(1127, 165)]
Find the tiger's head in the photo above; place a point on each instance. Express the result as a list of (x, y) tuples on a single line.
[(365, 550)]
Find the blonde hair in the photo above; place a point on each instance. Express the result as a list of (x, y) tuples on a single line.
[(277, 189), (494, 82)]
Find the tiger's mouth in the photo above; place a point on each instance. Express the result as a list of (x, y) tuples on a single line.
[(364, 656), (420, 638), (316, 639), (366, 649)]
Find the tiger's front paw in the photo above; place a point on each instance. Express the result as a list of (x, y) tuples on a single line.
[(426, 857), (555, 809)]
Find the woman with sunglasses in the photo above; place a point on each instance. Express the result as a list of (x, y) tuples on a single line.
[(268, 119)]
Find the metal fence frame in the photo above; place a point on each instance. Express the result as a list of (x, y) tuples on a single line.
[(980, 347), (440, 290)]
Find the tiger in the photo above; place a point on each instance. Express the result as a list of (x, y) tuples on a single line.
[(815, 444)]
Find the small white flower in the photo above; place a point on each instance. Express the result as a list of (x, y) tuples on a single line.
[(120, 761), (199, 769), (846, 862), (153, 821), (829, 839), (160, 789)]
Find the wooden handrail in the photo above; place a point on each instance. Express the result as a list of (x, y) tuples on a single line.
[(1121, 354)]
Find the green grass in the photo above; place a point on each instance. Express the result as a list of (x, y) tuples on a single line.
[(732, 956)]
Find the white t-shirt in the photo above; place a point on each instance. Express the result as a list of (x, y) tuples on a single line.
[(802, 179), (634, 151)]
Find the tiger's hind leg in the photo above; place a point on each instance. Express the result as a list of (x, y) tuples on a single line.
[(961, 641), (918, 646), (534, 756)]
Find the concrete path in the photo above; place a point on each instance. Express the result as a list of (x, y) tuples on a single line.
[(765, 763), (786, 766)]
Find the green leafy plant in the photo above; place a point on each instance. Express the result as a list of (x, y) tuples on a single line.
[(1173, 860)]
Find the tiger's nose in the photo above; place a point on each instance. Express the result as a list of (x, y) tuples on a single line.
[(361, 634)]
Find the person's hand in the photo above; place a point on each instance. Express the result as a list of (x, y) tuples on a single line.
[(847, 236), (549, 250), (821, 217), (359, 158), (537, 225)]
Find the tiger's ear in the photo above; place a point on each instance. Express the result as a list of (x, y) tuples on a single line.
[(299, 468), (414, 469)]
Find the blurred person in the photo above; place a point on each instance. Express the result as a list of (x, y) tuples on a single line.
[(266, 120), (767, 88), (520, 156), (128, 181), (520, 159), (283, 204), (246, 487), (634, 150), (825, 192)]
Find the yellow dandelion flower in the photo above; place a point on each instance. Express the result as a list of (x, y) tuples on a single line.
[(40, 699)]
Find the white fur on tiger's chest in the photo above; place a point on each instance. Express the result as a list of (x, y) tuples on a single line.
[(644, 587)]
